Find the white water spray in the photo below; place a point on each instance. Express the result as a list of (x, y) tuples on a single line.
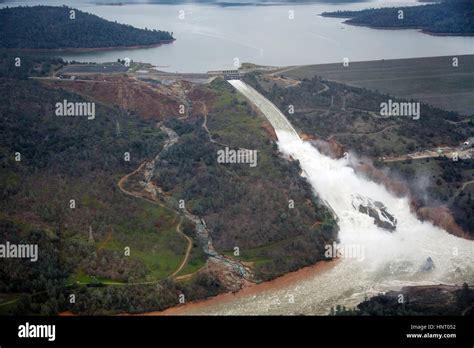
[(391, 259)]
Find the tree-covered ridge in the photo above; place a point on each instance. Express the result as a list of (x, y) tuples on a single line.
[(49, 27), (435, 300), (63, 158), (454, 17), (37, 66)]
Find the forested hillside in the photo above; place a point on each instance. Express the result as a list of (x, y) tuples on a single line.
[(455, 17), (29, 65), (345, 109), (47, 161), (48, 27)]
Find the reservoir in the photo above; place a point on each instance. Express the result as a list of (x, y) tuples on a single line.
[(214, 37)]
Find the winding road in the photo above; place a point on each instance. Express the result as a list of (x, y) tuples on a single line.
[(188, 250), (124, 179)]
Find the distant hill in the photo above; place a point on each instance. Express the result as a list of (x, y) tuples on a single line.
[(449, 17), (49, 27)]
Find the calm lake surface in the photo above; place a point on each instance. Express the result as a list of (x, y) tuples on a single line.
[(210, 37)]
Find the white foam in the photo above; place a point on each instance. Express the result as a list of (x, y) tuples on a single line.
[(391, 260)]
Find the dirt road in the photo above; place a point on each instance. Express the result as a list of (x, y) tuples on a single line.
[(188, 250)]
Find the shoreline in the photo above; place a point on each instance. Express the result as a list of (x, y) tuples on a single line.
[(250, 289), (278, 283), (420, 29), (90, 49)]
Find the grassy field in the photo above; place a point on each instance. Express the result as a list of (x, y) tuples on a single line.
[(431, 80), (152, 239), (82, 277), (197, 260)]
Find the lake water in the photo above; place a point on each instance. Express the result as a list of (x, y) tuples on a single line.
[(211, 37)]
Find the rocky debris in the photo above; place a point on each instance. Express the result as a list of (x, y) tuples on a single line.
[(336, 149), (375, 210), (270, 130), (442, 217), (330, 148), (439, 216), (397, 187), (428, 265), (230, 274)]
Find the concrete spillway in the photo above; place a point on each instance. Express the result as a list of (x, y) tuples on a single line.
[(384, 260), (271, 112)]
